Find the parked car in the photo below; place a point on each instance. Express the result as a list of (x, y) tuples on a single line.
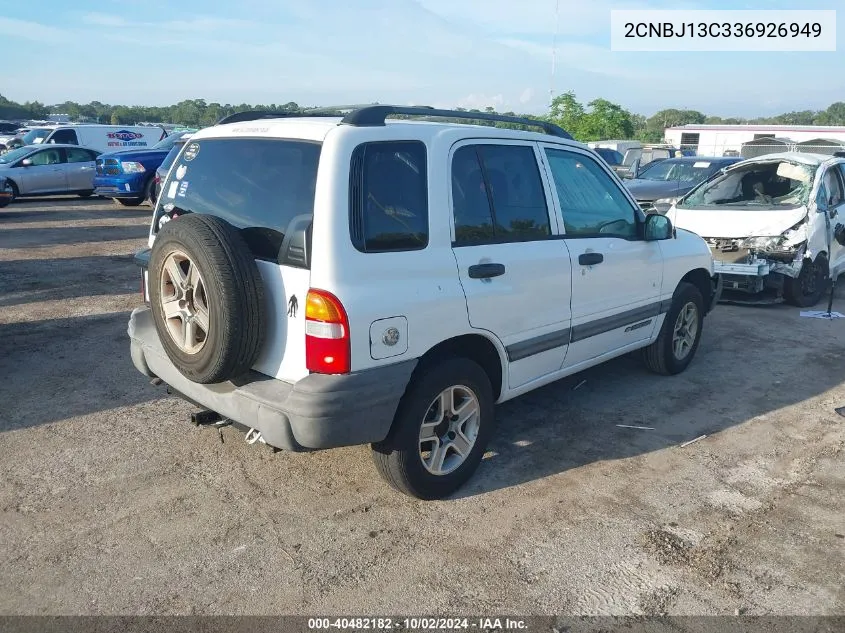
[(610, 156), (28, 136), (161, 172), (660, 184), (128, 176), (302, 281), (637, 158), (106, 138), (774, 224), (40, 170)]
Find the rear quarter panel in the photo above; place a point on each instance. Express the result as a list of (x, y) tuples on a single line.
[(422, 286)]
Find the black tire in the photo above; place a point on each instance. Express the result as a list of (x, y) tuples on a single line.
[(807, 289), (233, 294), (660, 356), (15, 193), (149, 188), (128, 202), (86, 194), (398, 458)]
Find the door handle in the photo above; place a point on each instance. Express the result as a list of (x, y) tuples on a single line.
[(590, 259), (486, 271)]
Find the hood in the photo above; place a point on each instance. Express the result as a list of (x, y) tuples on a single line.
[(736, 223), (653, 189), (136, 153)]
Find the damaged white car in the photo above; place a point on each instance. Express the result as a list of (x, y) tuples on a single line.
[(774, 225)]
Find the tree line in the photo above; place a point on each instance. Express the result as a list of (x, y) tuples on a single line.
[(598, 119)]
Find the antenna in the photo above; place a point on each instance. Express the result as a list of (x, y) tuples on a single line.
[(554, 53)]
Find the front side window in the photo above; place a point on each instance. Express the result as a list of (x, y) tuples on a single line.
[(591, 203), (833, 185), (389, 196), (497, 195), (47, 157)]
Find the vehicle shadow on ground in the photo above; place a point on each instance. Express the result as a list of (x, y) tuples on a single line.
[(18, 212), (741, 371), (25, 281), (40, 237), (59, 368)]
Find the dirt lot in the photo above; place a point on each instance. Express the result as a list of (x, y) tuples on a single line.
[(112, 502)]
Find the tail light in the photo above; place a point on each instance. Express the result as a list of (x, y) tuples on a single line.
[(326, 334)]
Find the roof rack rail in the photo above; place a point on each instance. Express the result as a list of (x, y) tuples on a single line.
[(321, 111), (375, 115)]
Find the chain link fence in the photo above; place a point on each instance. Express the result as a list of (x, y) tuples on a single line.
[(754, 149)]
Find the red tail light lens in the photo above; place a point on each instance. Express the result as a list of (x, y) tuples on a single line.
[(326, 334)]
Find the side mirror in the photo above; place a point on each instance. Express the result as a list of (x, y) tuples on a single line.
[(26, 162), (657, 227)]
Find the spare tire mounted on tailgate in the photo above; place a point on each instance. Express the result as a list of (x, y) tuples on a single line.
[(207, 298)]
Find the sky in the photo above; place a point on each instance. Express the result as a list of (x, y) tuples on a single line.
[(444, 53)]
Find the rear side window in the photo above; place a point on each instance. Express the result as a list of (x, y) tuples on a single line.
[(497, 195), (388, 187), (257, 185)]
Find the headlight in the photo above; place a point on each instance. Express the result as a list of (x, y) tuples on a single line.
[(761, 243), (132, 167), (664, 204)]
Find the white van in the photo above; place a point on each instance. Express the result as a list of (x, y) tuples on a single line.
[(107, 138)]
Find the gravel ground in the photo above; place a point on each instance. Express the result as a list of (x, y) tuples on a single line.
[(113, 503)]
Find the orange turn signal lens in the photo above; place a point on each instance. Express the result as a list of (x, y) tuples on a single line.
[(321, 306)]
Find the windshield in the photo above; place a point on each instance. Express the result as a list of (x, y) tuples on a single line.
[(767, 185), (169, 141), (171, 156), (13, 155), (691, 172), (36, 135)]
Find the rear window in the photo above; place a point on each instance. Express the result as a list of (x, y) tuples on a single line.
[(257, 185)]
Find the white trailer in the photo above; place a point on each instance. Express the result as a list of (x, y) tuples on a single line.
[(716, 140)]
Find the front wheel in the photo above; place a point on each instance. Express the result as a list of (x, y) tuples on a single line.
[(440, 431), (807, 288), (11, 193), (678, 340)]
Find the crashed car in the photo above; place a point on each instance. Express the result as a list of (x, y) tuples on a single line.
[(664, 182), (774, 225)]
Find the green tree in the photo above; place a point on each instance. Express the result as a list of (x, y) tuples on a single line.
[(568, 113)]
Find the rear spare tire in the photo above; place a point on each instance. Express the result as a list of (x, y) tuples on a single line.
[(207, 298)]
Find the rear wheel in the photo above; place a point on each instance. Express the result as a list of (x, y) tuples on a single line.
[(807, 288), (678, 340), (86, 194), (129, 202), (440, 430)]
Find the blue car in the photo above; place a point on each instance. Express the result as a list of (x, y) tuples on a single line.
[(128, 176)]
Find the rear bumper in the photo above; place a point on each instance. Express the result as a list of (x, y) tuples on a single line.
[(126, 186), (316, 412)]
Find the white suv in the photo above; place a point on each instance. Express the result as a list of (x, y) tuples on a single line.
[(329, 281)]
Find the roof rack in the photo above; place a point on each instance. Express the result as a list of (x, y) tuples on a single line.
[(322, 111), (376, 114)]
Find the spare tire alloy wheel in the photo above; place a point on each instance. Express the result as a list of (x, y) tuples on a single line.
[(184, 302), (207, 298)]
